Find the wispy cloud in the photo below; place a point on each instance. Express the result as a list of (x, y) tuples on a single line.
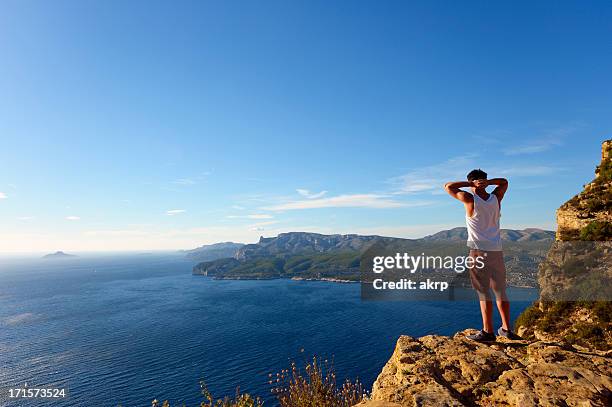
[(528, 171), (73, 218), (344, 201), (550, 139), (492, 137), (534, 146), (260, 216), (173, 212), (184, 181), (192, 180), (310, 195), (261, 226), (430, 178), (251, 216), (524, 186), (25, 218), (2, 195), (115, 233)]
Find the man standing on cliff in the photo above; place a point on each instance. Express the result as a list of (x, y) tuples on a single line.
[(482, 213)]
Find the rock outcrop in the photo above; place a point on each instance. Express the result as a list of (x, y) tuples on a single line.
[(576, 277), (443, 371), (214, 251), (590, 208)]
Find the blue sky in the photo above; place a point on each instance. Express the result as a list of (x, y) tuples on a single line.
[(147, 125)]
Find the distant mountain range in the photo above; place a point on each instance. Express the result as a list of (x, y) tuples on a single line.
[(304, 242), (303, 255), (508, 235)]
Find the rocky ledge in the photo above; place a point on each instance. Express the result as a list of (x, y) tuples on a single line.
[(454, 371)]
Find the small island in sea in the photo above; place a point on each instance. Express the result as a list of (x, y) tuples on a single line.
[(58, 255)]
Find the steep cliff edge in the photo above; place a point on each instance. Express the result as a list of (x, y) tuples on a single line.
[(576, 277), (565, 357)]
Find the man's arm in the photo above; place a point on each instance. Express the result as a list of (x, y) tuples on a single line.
[(454, 190), (502, 187)]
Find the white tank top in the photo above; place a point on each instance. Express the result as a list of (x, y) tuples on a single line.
[(483, 226)]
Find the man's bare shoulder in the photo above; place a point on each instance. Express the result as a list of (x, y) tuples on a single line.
[(467, 196)]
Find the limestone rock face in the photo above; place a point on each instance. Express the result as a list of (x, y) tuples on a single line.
[(575, 279), (443, 371), (577, 271), (593, 204), (606, 152)]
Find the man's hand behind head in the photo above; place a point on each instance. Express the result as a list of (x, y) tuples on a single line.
[(480, 183)]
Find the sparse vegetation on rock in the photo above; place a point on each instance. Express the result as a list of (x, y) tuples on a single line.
[(313, 386)]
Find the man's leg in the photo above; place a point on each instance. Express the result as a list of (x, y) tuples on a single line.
[(498, 284), (486, 310), (504, 311), (481, 281)]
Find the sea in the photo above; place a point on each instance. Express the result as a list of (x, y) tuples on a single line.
[(125, 329)]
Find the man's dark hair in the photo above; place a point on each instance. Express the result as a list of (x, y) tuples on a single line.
[(476, 174)]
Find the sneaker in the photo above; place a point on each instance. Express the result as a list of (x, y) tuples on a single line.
[(508, 334), (482, 336)]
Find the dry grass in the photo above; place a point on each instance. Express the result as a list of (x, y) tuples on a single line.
[(315, 386)]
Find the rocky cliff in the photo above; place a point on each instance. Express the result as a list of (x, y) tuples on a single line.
[(576, 277), (213, 251), (565, 357), (590, 211), (454, 371)]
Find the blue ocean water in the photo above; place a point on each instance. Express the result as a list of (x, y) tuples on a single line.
[(126, 329)]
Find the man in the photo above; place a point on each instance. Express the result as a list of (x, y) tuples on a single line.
[(482, 218)]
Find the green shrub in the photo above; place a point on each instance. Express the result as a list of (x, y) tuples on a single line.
[(529, 317), (602, 310), (597, 231), (589, 335), (605, 171), (562, 308), (557, 317)]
